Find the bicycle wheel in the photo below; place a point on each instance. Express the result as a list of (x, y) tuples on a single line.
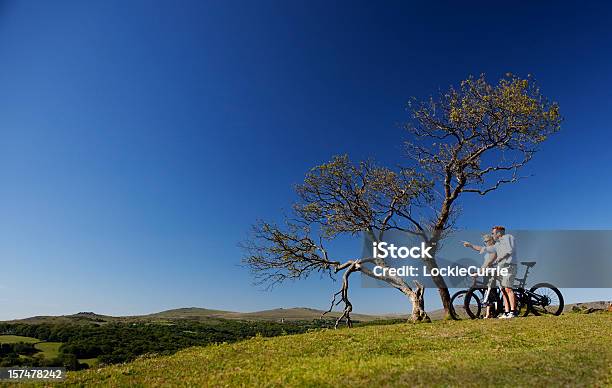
[(545, 299), (472, 304), (457, 309), (522, 302)]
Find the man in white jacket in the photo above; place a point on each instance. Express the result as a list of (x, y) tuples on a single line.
[(506, 252)]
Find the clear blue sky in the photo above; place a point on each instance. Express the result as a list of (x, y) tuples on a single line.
[(140, 139)]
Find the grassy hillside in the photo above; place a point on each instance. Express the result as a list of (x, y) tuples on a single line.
[(573, 349), (49, 350), (13, 339)]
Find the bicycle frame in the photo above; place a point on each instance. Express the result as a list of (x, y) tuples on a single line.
[(523, 280)]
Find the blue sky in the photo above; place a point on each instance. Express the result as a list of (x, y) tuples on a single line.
[(139, 140)]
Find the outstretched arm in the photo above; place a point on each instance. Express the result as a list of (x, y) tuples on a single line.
[(477, 248)]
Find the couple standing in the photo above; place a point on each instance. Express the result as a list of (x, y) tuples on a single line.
[(499, 249)]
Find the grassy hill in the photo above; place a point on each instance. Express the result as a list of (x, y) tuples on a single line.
[(573, 349)]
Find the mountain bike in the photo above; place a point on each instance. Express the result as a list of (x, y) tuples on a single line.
[(481, 295), (541, 299)]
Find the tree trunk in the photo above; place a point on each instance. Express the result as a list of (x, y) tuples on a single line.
[(418, 305), (439, 280), (416, 295), (446, 300)]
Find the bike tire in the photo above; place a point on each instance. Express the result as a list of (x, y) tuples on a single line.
[(472, 304), (550, 292), (457, 311)]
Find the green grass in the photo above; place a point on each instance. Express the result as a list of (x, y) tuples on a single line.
[(571, 350), (89, 361), (13, 339), (49, 349)]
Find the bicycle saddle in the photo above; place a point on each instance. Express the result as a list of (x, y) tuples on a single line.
[(528, 263)]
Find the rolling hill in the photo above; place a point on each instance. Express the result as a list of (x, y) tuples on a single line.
[(286, 314), (203, 314)]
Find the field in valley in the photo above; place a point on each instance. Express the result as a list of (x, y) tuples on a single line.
[(14, 339), (46, 349)]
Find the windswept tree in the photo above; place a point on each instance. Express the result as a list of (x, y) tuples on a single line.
[(471, 139), (339, 198)]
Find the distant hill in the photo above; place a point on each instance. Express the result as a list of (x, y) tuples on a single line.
[(82, 317), (202, 314), (188, 313), (287, 314)]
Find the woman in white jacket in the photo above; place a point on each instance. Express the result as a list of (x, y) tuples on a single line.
[(490, 256)]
